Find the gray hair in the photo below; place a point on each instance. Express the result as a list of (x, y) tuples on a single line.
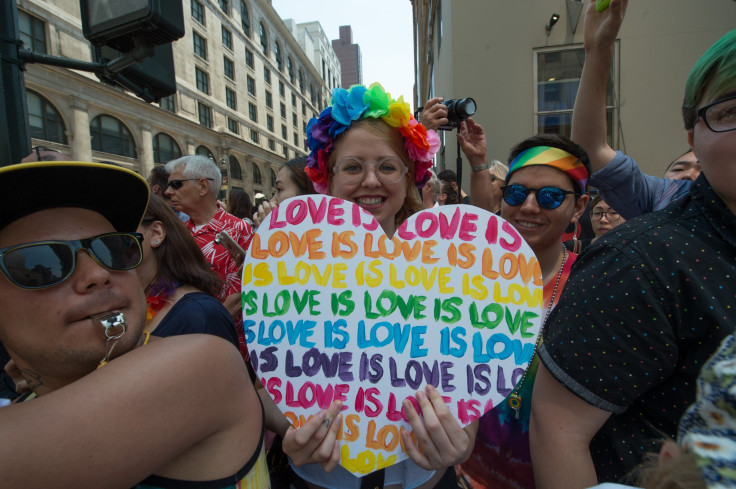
[(197, 166), (498, 169)]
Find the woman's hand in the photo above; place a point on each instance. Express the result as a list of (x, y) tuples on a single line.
[(263, 211), (442, 441), (316, 442)]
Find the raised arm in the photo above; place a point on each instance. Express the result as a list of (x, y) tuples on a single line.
[(561, 428), (475, 147), (589, 114)]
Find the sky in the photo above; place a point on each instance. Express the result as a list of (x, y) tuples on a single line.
[(382, 29)]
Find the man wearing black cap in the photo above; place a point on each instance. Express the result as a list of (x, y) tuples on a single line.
[(108, 408)]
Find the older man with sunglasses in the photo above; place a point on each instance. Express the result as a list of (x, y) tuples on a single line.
[(108, 408), (194, 182)]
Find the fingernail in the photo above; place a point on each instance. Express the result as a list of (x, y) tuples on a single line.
[(430, 388), (420, 395)]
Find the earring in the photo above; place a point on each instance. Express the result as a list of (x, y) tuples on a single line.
[(156, 242)]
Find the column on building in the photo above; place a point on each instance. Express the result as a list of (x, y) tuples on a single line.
[(145, 155), (82, 144)]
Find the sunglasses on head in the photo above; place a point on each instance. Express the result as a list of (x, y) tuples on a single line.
[(44, 264), (177, 184), (547, 197)]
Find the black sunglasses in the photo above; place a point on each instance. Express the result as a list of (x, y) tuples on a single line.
[(176, 184), (44, 264), (547, 197), (38, 150)]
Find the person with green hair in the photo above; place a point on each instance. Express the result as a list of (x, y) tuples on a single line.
[(644, 310)]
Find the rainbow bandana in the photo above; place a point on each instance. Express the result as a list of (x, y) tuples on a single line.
[(357, 103), (555, 158)]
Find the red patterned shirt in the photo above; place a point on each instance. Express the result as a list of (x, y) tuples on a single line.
[(221, 260)]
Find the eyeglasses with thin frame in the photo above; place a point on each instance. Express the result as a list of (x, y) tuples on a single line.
[(720, 116), (352, 170), (43, 264), (38, 150), (547, 197), (610, 214), (177, 183)]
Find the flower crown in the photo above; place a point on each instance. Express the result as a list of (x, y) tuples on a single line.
[(357, 103)]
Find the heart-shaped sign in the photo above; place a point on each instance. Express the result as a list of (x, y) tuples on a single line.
[(335, 310)]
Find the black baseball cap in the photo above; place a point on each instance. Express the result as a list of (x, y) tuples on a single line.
[(117, 193)]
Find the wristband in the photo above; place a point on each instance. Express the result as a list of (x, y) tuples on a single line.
[(476, 169)]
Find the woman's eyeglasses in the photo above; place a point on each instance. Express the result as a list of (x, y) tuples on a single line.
[(610, 214), (177, 184), (547, 197), (388, 170), (44, 264)]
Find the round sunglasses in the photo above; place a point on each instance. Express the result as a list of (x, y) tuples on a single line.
[(547, 197), (42, 264)]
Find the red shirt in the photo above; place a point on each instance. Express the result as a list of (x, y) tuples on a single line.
[(221, 260)]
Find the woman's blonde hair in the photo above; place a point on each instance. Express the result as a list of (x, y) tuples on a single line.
[(679, 472), (412, 201)]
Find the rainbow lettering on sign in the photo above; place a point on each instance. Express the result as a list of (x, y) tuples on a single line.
[(335, 310)]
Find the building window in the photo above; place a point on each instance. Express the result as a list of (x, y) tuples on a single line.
[(227, 38), (286, 152), (264, 38), (168, 103), (269, 122), (256, 173), (254, 135), (269, 100), (245, 18), (44, 120), (311, 93), (252, 112), (229, 67), (266, 75), (279, 59), (165, 148), (558, 77), (290, 69), (251, 86), (271, 144), (203, 150), (282, 89), (235, 170), (301, 81), (205, 114), (32, 32), (200, 45), (293, 100), (293, 118), (284, 136), (231, 99), (283, 110), (296, 139), (233, 126), (249, 59), (304, 108), (109, 135), (198, 11), (224, 4), (203, 80)]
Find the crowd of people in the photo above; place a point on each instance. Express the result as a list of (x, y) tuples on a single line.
[(122, 327)]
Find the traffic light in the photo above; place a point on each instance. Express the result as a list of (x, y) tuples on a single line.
[(124, 24)]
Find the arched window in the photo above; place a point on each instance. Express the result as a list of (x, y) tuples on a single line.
[(204, 151), (45, 121), (235, 168), (264, 38), (256, 174), (109, 135), (245, 17), (273, 177), (290, 69), (279, 59), (165, 148)]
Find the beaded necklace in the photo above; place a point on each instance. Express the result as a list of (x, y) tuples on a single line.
[(514, 399)]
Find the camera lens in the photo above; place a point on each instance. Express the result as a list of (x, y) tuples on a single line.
[(458, 110)]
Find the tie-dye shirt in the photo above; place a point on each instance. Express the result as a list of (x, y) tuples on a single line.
[(501, 455)]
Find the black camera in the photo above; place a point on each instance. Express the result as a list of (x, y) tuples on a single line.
[(458, 110)]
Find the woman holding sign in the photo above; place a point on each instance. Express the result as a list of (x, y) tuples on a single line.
[(368, 149), (545, 191)]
